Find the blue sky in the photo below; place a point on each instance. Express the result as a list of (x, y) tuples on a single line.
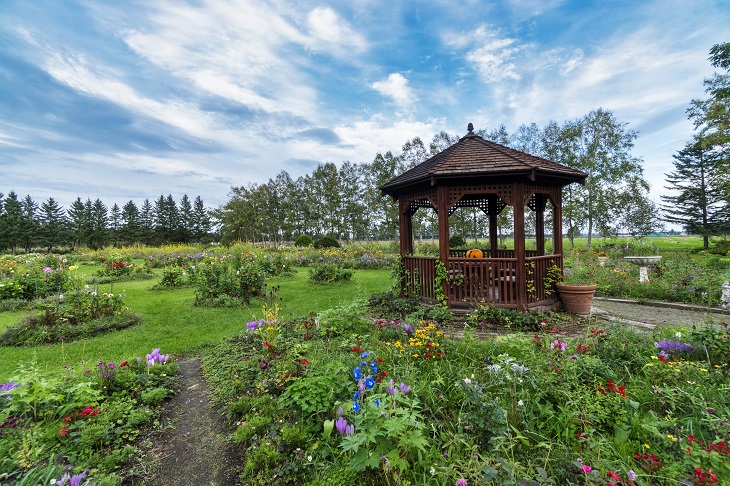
[(130, 100)]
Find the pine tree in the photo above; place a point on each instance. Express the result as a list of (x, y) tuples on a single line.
[(12, 221), (29, 226), (698, 206), (53, 224), (130, 230)]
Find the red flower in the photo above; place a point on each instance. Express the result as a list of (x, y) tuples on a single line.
[(380, 360), (63, 431), (383, 373), (123, 364), (614, 475), (67, 419), (304, 362)]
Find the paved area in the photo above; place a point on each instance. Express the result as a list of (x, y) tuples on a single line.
[(651, 314)]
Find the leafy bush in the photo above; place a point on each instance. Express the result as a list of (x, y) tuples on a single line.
[(303, 241), (327, 272), (328, 241), (457, 241), (229, 282)]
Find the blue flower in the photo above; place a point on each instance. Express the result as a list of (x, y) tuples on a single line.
[(374, 367), (357, 373), (356, 397), (377, 402), (356, 407), (369, 382), (364, 354)]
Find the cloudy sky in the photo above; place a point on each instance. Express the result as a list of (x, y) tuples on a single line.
[(130, 100)]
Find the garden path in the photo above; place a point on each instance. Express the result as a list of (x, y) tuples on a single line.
[(650, 314), (195, 449)]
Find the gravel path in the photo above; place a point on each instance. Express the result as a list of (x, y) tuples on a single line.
[(658, 313)]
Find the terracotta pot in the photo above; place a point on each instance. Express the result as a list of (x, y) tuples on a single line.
[(576, 298)]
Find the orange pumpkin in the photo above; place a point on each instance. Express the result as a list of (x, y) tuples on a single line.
[(475, 253)]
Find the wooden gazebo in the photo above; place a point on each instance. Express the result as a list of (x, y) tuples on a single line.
[(481, 174)]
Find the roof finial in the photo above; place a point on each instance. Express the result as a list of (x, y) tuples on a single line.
[(470, 127)]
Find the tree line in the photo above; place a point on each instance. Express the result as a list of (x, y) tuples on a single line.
[(346, 201), (27, 225)]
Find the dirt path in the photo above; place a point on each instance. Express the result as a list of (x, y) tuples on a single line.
[(194, 450)]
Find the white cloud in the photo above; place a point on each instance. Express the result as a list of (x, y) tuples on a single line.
[(395, 87), (490, 55), (330, 32)]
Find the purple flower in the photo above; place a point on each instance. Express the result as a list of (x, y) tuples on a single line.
[(390, 389), (341, 425), (632, 475), (671, 345), (350, 429), (47, 271), (461, 482), (339, 411), (573, 357), (404, 388), (8, 386)]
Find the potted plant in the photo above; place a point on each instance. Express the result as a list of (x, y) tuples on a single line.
[(575, 288)]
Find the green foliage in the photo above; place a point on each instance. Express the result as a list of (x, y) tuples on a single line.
[(314, 395), (457, 241), (31, 331), (229, 282), (303, 240), (327, 272), (327, 241)]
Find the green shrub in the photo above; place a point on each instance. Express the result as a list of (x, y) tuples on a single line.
[(303, 241), (328, 241), (457, 241), (328, 272)]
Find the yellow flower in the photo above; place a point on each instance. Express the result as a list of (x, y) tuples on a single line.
[(647, 446), (415, 355), (703, 369), (671, 437), (73, 267)]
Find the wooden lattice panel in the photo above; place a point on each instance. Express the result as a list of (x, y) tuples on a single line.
[(503, 191)]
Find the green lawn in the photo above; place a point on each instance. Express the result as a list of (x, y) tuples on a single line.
[(172, 323)]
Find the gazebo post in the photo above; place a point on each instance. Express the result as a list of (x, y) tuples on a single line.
[(405, 220), (540, 223), (493, 213), (442, 196), (518, 201), (558, 224)]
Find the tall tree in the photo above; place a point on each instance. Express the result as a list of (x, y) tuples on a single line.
[(12, 221), (201, 224), (53, 224), (99, 218), (79, 223), (147, 222), (601, 146), (697, 205), (29, 227), (185, 225), (115, 222), (129, 230)]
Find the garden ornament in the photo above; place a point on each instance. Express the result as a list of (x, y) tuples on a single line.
[(726, 295)]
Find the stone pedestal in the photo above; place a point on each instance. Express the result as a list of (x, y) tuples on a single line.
[(725, 297)]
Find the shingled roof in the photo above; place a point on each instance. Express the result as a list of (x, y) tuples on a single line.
[(474, 158)]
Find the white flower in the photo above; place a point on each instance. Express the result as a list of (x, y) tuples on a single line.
[(520, 403), (678, 335), (432, 471), (309, 458), (467, 381)]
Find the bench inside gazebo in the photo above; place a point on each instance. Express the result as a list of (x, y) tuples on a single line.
[(481, 174)]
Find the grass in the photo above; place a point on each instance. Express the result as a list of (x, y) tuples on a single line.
[(172, 323)]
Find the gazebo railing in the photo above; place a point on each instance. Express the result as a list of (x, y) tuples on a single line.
[(482, 280), (474, 281), (538, 267), (420, 276)]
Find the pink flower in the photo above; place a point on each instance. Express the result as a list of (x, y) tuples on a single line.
[(586, 469)]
